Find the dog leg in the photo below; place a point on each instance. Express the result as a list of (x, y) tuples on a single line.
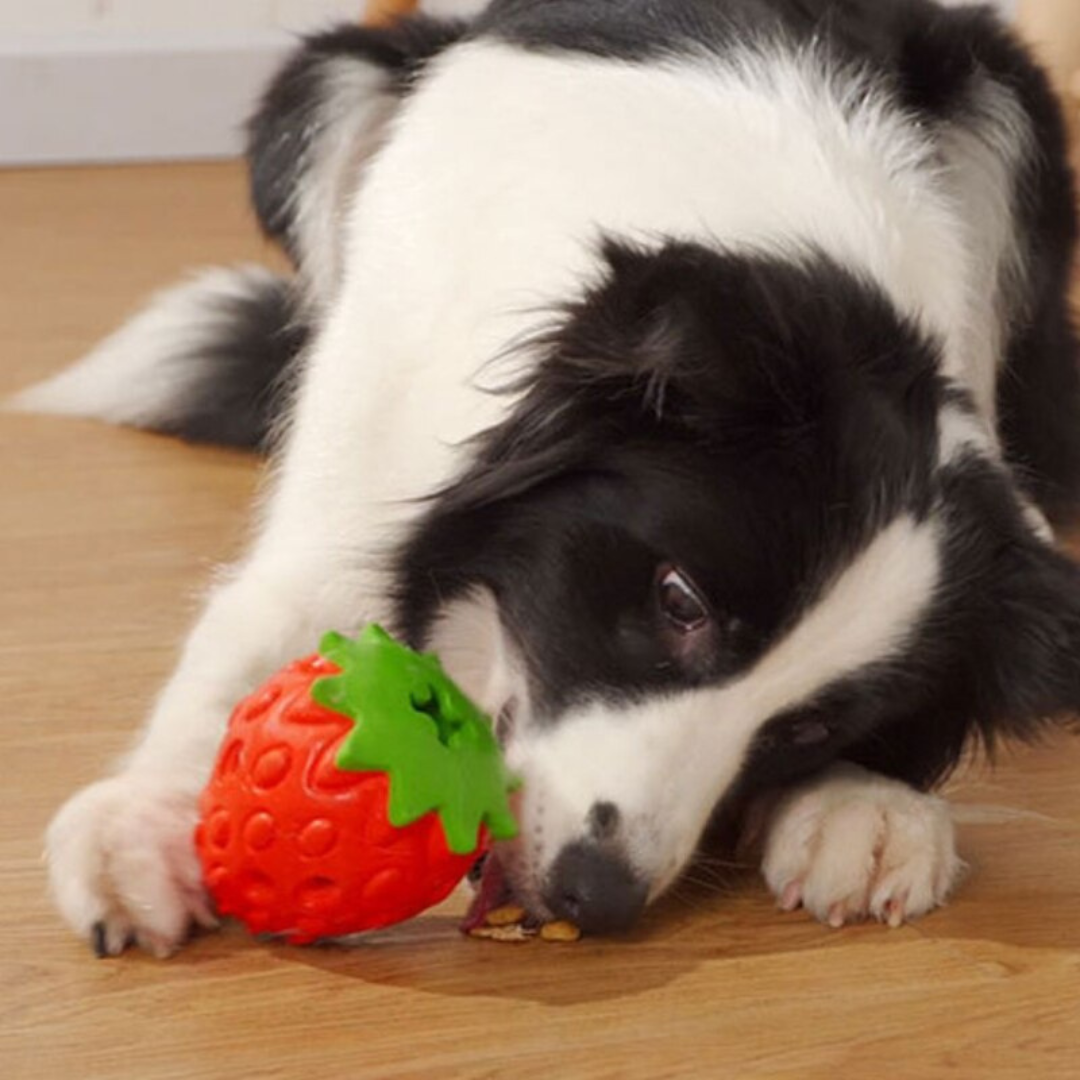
[(121, 854), (850, 844)]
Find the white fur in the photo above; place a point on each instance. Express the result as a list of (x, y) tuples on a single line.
[(142, 374), (850, 843), (687, 151), (504, 168), (121, 854), (961, 432), (982, 154), (358, 103), (469, 639), (667, 762)]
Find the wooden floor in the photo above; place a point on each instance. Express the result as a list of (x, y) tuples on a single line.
[(107, 538)]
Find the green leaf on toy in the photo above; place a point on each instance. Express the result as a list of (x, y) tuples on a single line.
[(412, 722)]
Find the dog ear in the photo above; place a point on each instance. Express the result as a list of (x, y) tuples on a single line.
[(604, 367), (718, 349), (675, 328), (732, 344)]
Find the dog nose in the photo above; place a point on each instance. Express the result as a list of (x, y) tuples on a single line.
[(595, 889)]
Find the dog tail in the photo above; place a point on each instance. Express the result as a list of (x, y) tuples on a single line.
[(209, 360)]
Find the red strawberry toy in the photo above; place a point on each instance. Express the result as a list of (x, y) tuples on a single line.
[(353, 790)]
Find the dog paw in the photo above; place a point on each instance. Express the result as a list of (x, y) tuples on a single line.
[(851, 844), (123, 868)]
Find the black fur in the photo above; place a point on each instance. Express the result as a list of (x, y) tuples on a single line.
[(996, 656), (754, 420), (641, 30), (946, 59), (858, 31), (252, 348), (249, 361)]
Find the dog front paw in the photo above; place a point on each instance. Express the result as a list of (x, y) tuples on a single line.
[(851, 844), (123, 868)]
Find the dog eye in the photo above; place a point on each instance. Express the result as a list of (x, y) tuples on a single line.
[(679, 600)]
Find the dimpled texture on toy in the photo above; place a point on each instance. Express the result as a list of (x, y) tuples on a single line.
[(353, 790)]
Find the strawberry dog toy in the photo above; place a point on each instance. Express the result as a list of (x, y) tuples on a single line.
[(353, 790)]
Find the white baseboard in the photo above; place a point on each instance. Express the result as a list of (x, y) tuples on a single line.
[(124, 98)]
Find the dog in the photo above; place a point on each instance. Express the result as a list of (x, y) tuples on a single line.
[(696, 378)]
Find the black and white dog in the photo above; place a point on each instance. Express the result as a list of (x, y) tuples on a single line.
[(696, 377)]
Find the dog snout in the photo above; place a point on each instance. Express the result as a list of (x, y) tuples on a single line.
[(596, 889)]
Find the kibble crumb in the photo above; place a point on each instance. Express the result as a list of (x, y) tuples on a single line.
[(507, 934)]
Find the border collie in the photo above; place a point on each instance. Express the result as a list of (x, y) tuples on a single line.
[(696, 377)]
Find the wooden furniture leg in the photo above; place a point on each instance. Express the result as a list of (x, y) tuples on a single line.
[(383, 11)]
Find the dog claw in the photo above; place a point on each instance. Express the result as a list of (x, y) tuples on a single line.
[(204, 915), (791, 897), (158, 947), (837, 916), (894, 913), (98, 940)]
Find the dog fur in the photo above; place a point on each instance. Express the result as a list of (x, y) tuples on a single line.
[(696, 378)]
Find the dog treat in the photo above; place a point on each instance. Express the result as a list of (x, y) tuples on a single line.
[(506, 915), (510, 923), (561, 930)]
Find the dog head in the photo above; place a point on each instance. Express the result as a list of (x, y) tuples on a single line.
[(726, 535)]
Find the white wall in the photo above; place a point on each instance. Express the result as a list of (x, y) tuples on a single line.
[(104, 17), (137, 80)]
